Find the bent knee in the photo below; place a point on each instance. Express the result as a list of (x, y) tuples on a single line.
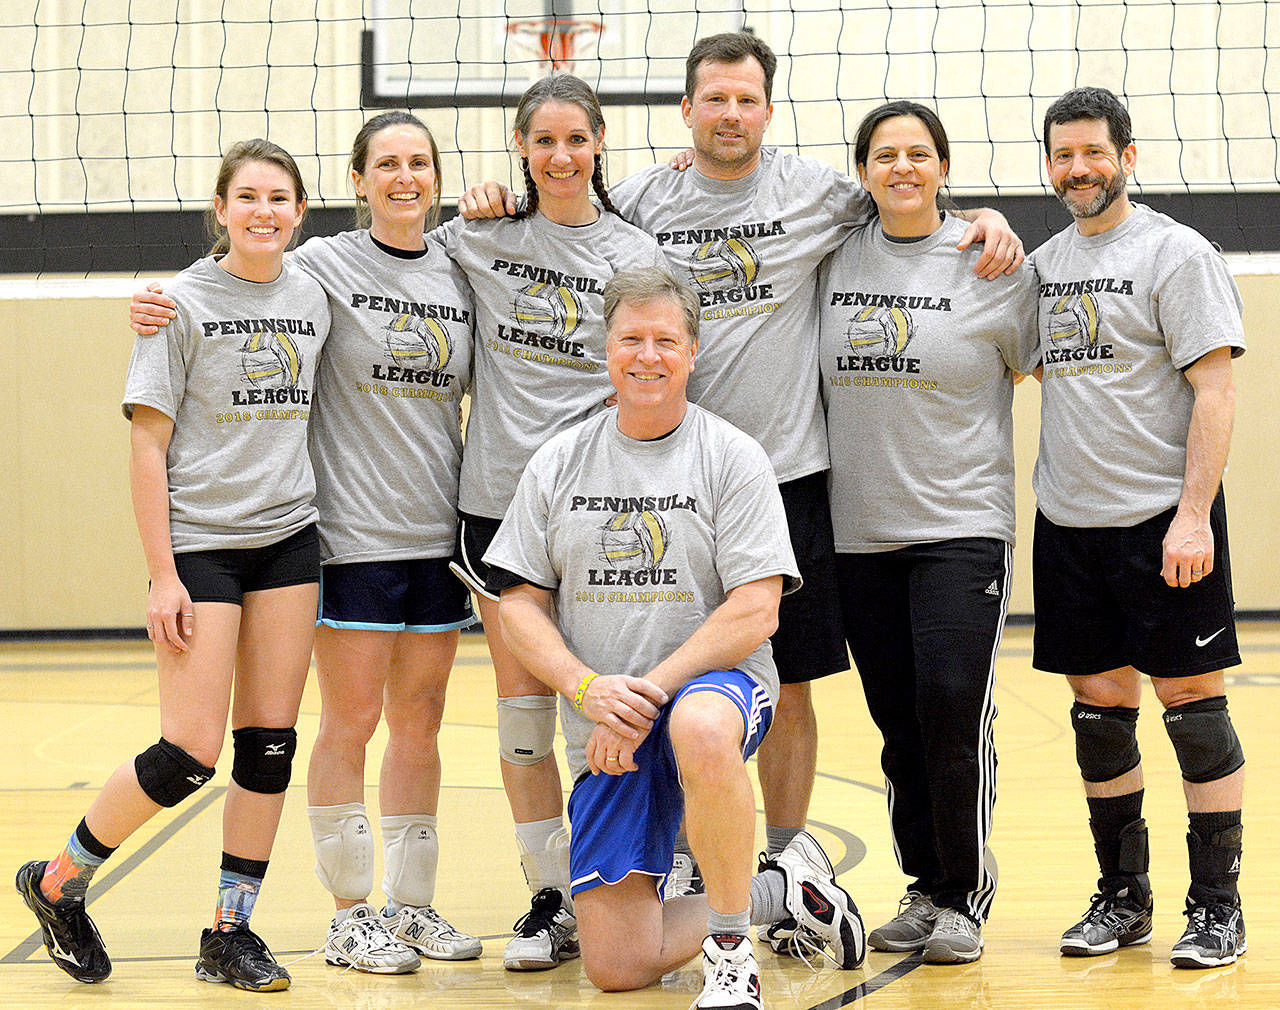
[(706, 726), (616, 973)]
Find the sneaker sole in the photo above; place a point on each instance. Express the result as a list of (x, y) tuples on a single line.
[(946, 954), (566, 953), (895, 946), (1189, 960), (46, 936), (275, 985), (1069, 949), (465, 954), (395, 969)]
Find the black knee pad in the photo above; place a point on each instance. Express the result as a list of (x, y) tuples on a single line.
[(1204, 739), (263, 758), (1106, 741), (168, 774)]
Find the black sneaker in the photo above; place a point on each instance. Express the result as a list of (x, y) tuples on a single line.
[(545, 935), (240, 957), (1117, 919), (70, 936), (1214, 937)]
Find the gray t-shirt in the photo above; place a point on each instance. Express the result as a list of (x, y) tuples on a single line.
[(235, 371), (917, 354), (1121, 314), (540, 360), (385, 437), (640, 542), (751, 247)]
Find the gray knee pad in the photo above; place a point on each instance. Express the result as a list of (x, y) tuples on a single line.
[(168, 774), (1106, 741), (344, 849), (1204, 739), (263, 758), (526, 728)]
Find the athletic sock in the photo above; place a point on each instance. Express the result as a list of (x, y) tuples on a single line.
[(67, 878), (544, 854), (238, 887), (768, 897), (776, 839), (1109, 816), (728, 923), (1214, 849)]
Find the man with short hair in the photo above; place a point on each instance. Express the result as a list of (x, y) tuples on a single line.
[(747, 226), (1139, 321), (640, 566)]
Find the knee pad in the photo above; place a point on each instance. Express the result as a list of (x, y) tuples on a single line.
[(263, 758), (526, 728), (1204, 739), (168, 774), (411, 852), (344, 849), (1106, 741)]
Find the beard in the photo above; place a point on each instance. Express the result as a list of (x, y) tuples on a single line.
[(1108, 195)]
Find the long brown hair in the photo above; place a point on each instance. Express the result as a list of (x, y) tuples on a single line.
[(239, 154)]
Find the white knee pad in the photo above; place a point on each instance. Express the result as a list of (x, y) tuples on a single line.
[(526, 728), (547, 867), (344, 849), (411, 852)]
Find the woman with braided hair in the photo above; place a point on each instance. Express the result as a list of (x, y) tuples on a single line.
[(538, 280)]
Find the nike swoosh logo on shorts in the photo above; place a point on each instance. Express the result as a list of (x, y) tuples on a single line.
[(1202, 642)]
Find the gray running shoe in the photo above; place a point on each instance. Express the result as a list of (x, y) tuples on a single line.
[(1119, 919), (956, 939), (1214, 937), (910, 929)]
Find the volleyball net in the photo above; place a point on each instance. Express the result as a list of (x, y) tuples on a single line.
[(114, 113)]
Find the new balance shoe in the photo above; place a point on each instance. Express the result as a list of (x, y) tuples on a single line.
[(545, 935), (428, 933), (824, 912), (684, 879), (239, 957), (731, 977), (70, 936), (910, 929), (956, 939), (364, 942), (1116, 919), (1214, 937)]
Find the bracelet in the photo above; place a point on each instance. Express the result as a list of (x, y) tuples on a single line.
[(581, 693)]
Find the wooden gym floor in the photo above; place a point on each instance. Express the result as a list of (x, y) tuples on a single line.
[(69, 713)]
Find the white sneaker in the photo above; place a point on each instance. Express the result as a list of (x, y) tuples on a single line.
[(424, 930), (731, 977), (684, 879), (363, 942), (545, 935), (821, 907)]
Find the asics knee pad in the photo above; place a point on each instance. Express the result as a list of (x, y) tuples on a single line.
[(168, 774), (411, 852), (344, 849), (526, 728), (263, 758), (1106, 741), (1204, 739)]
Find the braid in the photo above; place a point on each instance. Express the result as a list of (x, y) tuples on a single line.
[(597, 183), (530, 205)]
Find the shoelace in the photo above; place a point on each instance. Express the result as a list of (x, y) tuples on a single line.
[(436, 920), (368, 929), (724, 977), (541, 915)]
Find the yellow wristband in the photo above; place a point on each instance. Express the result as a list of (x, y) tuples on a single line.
[(581, 693)]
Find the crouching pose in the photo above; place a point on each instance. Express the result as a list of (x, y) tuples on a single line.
[(223, 499), (640, 566)]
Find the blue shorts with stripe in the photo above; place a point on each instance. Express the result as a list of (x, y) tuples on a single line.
[(623, 824), (416, 595)]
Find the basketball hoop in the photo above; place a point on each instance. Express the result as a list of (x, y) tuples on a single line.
[(556, 43)]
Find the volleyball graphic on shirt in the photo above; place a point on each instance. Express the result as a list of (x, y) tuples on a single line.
[(881, 331), (1073, 321), (634, 540), (724, 263), (416, 342), (270, 360), (549, 309)]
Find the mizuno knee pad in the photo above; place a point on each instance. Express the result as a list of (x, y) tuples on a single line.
[(263, 758), (168, 774)]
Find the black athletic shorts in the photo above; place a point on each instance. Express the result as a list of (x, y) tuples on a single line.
[(475, 534), (1101, 603), (809, 642), (224, 576), (416, 595)]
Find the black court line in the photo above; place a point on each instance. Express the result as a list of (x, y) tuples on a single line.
[(862, 989), (34, 942)]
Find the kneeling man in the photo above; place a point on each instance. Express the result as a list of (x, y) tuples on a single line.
[(640, 567)]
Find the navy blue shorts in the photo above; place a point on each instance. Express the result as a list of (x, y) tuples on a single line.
[(624, 824), (224, 576), (418, 595), (1101, 603), (475, 534)]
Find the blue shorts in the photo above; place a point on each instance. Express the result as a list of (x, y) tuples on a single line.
[(623, 824), (419, 595)]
